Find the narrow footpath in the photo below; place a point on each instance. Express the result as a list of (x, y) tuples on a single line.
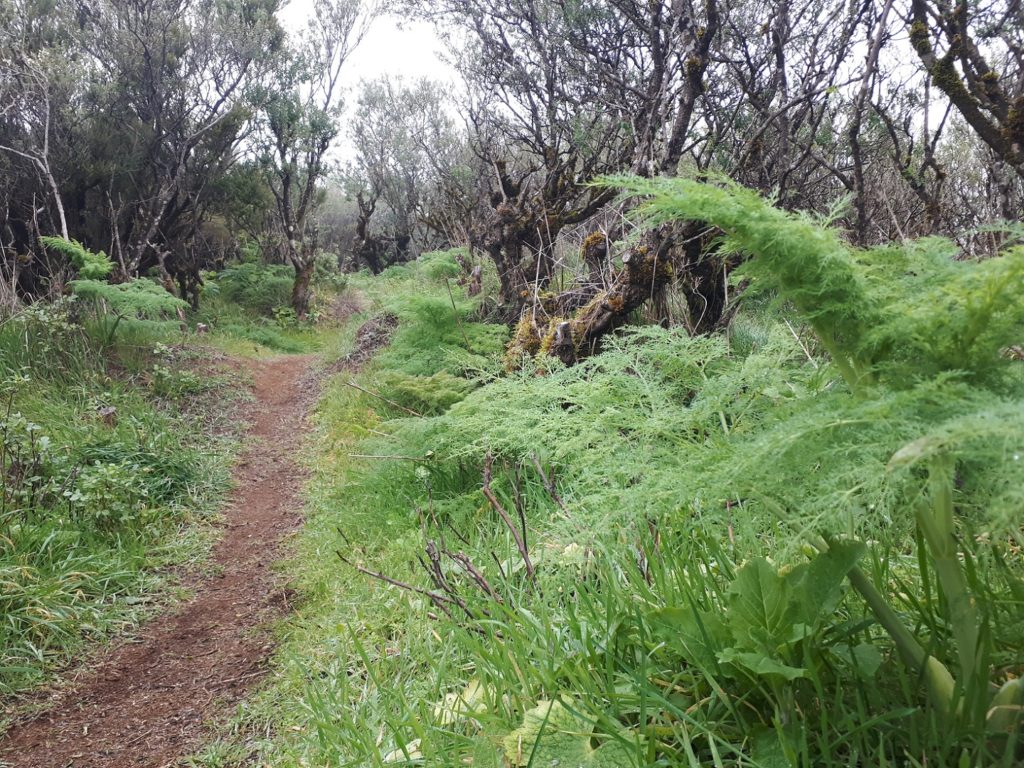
[(147, 702)]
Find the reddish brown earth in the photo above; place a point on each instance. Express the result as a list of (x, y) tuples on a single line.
[(146, 702), (372, 335)]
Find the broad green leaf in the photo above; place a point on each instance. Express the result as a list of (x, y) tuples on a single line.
[(761, 606), (865, 658), (768, 751), (1006, 711), (798, 632), (823, 579), (551, 735), (697, 634), (761, 665)]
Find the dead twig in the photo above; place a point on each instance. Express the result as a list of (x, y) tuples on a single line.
[(501, 569), (456, 531), (437, 599), (519, 538), (549, 484), (803, 346), (474, 573), (436, 573), (381, 397)]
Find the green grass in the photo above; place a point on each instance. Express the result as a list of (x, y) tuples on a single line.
[(113, 462), (238, 331), (114, 457), (246, 308), (693, 508)]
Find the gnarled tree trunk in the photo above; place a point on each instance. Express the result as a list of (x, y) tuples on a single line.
[(301, 287), (571, 326)]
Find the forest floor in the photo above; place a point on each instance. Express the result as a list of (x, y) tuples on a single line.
[(146, 702)]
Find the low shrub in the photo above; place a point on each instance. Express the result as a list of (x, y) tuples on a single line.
[(260, 288), (441, 265), (426, 395), (435, 336), (795, 544)]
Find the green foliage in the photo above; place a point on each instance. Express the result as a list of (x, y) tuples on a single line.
[(46, 341), (137, 301), (436, 353), (266, 335), (646, 423), (140, 299), (808, 262), (174, 384), (426, 395), (90, 266), (904, 313), (97, 487), (919, 334), (771, 623), (110, 496), (249, 305), (434, 336), (441, 265), (747, 555), (261, 288), (328, 273)]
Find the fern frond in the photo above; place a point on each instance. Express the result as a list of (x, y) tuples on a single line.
[(903, 312), (90, 265), (141, 299)]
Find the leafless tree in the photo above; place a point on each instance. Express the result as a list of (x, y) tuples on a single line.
[(974, 53), (26, 92)]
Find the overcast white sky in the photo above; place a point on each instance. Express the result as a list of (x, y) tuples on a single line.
[(412, 50)]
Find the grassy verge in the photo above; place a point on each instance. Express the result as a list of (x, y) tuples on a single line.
[(113, 462), (239, 331)]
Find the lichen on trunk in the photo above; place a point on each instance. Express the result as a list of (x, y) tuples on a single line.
[(570, 325)]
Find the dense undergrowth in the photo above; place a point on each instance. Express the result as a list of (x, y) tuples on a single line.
[(111, 450), (247, 306), (797, 543)]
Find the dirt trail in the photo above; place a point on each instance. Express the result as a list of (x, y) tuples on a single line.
[(146, 702)]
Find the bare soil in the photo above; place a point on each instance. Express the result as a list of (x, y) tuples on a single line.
[(147, 702), (372, 336)]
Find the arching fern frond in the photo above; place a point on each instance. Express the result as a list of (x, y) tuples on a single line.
[(140, 299), (903, 312), (90, 265)]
